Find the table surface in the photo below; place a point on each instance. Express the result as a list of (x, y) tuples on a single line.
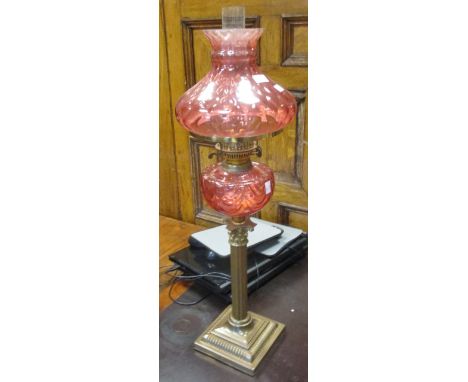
[(173, 235), (284, 299)]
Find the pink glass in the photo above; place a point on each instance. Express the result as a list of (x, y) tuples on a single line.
[(238, 193), (234, 99)]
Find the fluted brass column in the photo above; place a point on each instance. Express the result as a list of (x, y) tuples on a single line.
[(238, 233)]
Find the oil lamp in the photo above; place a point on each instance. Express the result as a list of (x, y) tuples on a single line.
[(235, 105)]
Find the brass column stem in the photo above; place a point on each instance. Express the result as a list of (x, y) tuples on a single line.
[(238, 241)]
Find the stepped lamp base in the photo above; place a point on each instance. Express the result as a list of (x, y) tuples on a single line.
[(242, 348)]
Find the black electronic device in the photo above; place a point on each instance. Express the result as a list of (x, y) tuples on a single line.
[(195, 261)]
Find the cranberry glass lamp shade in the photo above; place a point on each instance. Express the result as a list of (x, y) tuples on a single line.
[(235, 100)]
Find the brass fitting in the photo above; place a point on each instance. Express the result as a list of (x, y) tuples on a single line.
[(235, 155)]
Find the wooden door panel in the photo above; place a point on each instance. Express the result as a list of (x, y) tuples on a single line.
[(283, 57), (284, 152), (293, 215), (168, 185), (294, 40)]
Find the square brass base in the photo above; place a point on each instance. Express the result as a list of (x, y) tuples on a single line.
[(242, 348)]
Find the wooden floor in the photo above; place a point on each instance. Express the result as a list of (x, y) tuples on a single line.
[(173, 235)]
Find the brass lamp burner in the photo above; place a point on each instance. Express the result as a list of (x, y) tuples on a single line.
[(235, 156)]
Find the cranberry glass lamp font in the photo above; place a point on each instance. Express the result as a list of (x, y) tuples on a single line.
[(235, 105)]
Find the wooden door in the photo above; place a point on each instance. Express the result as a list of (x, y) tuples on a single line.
[(282, 56)]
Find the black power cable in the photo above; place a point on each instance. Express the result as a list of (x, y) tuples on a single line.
[(192, 278)]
